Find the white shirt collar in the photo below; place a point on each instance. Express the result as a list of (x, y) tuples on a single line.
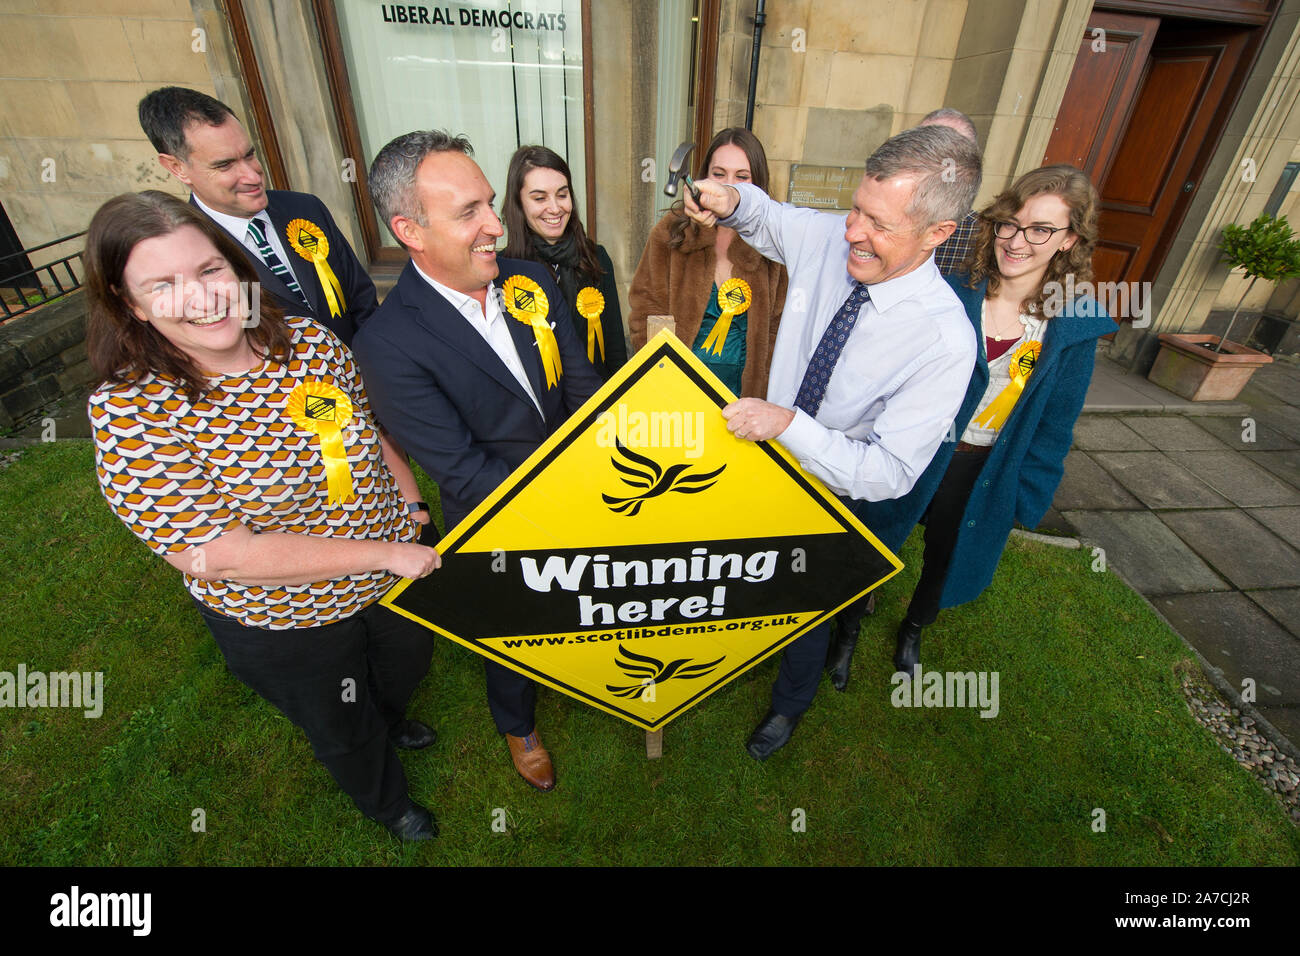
[(895, 290), (466, 305), (237, 226)]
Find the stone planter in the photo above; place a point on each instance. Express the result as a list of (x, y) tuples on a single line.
[(1189, 370)]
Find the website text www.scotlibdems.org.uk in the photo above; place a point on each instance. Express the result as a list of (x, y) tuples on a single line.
[(668, 630)]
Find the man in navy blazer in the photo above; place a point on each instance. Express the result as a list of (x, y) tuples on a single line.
[(202, 144), (451, 375)]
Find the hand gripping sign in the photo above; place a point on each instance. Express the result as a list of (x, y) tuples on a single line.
[(643, 557)]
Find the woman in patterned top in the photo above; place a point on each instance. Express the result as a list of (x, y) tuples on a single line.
[(239, 446), (1036, 353)]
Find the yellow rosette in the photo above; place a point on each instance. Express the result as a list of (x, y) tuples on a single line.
[(733, 298), (526, 301), (1023, 360), (308, 240), (322, 408), (590, 305)]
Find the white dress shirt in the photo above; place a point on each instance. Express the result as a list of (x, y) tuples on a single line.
[(904, 370), (238, 228), (490, 324)]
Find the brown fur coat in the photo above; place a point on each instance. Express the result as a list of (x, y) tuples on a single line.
[(677, 282)]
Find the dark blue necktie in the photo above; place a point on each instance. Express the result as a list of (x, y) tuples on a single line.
[(267, 252), (813, 388)]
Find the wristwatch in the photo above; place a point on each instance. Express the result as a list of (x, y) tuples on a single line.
[(414, 506)]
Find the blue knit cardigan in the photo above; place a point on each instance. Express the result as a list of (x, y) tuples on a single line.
[(1020, 475)]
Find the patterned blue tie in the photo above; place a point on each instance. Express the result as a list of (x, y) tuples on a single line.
[(813, 388), (265, 250)]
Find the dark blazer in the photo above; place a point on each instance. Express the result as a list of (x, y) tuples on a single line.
[(1020, 474), (611, 321), (435, 384), (359, 298)]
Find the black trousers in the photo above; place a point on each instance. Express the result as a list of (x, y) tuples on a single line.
[(344, 684), (942, 522), (512, 697), (802, 662)]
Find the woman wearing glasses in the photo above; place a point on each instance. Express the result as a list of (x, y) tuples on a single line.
[(1027, 389)]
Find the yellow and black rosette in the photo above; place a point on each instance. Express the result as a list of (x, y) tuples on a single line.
[(590, 305), (309, 242), (526, 301), (322, 408), (733, 298), (1023, 360)]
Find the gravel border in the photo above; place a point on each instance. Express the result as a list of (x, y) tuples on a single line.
[(1237, 736)]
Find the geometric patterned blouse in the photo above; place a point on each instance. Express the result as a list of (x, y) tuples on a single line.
[(181, 474)]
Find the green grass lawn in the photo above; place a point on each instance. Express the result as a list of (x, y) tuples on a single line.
[(1091, 716)]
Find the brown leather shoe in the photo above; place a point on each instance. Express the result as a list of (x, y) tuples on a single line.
[(532, 761)]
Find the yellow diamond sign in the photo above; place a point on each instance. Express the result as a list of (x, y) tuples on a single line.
[(644, 556)]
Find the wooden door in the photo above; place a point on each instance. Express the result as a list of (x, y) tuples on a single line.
[(1171, 128), (1141, 118), (1100, 94)]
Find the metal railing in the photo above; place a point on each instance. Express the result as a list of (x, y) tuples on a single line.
[(10, 281)]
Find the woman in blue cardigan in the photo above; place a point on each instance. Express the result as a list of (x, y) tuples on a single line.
[(1015, 425)]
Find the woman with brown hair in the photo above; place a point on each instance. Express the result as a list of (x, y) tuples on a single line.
[(725, 298), (239, 446), (542, 225), (1036, 354)]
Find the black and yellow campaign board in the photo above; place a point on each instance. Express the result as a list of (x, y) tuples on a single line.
[(644, 556)]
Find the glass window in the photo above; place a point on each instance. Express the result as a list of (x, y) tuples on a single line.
[(504, 74)]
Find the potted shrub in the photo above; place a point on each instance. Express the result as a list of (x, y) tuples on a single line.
[(1206, 368)]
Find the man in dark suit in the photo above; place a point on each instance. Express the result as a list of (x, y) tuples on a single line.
[(454, 373), (303, 260)]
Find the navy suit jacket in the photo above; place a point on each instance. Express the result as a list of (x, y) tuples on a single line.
[(437, 387), (359, 298)]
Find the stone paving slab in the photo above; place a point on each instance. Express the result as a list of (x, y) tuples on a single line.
[(1237, 547), (1284, 464), (1087, 487), (1238, 478), (1239, 639), (1172, 433), (1107, 433), (1280, 381), (1283, 604), (1151, 557), (1283, 418), (1229, 431), (1285, 719), (1283, 522), (1159, 481), (1114, 389)]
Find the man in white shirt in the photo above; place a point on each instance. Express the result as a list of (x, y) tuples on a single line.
[(453, 378), (868, 375)]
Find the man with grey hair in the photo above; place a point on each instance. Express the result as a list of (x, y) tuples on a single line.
[(874, 352), (455, 374), (951, 254)]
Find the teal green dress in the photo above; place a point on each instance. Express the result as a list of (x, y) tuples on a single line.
[(731, 363)]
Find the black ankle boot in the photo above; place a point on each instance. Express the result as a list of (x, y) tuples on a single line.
[(908, 653)]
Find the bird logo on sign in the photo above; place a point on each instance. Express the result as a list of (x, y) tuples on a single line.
[(643, 472), (650, 670)]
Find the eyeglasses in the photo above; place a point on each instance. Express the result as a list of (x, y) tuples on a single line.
[(1036, 235)]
